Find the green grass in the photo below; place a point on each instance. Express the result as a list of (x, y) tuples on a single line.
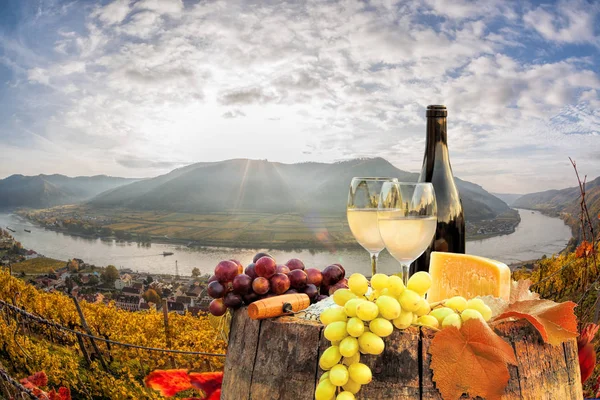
[(39, 265)]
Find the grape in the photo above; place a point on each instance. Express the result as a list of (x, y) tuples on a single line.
[(314, 276), (342, 268), (479, 305), (404, 320), (265, 267), (355, 327), (332, 275), (350, 306), (341, 296), (428, 321), (335, 331), (470, 314), (298, 279), (389, 308), (409, 300), (358, 284), (348, 361), (217, 307), (345, 396), (250, 297), (312, 292), (367, 311), (338, 375), (333, 314), (294, 263), (216, 290), (225, 271), (260, 285), (291, 291), (370, 343), (352, 386), (321, 297), (281, 269), (343, 284), (232, 300), (441, 313), (242, 284), (348, 346), (258, 256), (457, 303), (396, 285), (239, 264), (379, 281), (420, 282), (381, 327), (330, 357), (279, 283), (250, 271), (324, 376), (452, 320), (423, 309), (360, 373), (325, 390)]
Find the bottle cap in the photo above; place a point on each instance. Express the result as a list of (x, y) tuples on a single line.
[(436, 111)]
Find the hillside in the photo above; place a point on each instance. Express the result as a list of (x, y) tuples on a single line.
[(52, 190), (508, 198), (262, 186), (565, 202)]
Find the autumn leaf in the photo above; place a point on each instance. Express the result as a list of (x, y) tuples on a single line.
[(169, 382), (556, 322), (471, 360), (38, 379), (584, 249), (63, 394), (519, 291), (586, 352), (208, 382)]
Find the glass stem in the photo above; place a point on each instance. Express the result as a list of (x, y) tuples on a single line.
[(374, 263), (405, 273)]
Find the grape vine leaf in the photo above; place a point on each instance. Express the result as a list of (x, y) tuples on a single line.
[(209, 382), (556, 322), (169, 382), (519, 291), (471, 360), (62, 394)]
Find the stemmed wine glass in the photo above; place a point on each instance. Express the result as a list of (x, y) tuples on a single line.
[(361, 211), (407, 219)]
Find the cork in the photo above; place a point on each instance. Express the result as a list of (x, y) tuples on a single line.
[(274, 306)]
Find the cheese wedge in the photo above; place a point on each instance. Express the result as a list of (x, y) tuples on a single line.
[(467, 276)]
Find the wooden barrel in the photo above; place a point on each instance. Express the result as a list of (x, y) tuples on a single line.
[(278, 359)]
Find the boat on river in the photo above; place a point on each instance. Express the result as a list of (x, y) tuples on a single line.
[(12, 230), (167, 253), (27, 230)]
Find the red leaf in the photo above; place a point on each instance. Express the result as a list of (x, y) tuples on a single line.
[(587, 334), (584, 249), (216, 395), (586, 352), (63, 394), (556, 322), (38, 379), (471, 360), (168, 382), (208, 382)]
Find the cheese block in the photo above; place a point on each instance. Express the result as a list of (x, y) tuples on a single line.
[(467, 276)]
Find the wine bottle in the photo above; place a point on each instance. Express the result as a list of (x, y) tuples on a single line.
[(450, 230)]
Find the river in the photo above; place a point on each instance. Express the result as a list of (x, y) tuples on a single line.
[(536, 235)]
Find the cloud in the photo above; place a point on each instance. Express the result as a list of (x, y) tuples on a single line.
[(234, 114), (247, 96), (112, 13)]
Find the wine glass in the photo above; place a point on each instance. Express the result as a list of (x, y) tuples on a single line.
[(407, 219), (361, 211)]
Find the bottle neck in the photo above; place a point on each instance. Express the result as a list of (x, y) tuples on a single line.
[(436, 149), (437, 131)]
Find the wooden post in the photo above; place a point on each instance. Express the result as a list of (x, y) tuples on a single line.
[(89, 332), (88, 361), (165, 307)]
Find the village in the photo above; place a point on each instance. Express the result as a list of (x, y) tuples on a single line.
[(129, 290)]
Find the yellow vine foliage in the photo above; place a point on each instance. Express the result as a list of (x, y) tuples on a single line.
[(36, 347)]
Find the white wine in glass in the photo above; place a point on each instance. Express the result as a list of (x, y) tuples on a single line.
[(363, 199), (407, 220)]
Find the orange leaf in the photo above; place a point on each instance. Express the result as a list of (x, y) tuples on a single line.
[(63, 394), (168, 382), (208, 382), (38, 379), (556, 322), (519, 291), (471, 360), (584, 249)]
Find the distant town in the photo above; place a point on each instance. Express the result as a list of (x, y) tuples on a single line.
[(129, 290)]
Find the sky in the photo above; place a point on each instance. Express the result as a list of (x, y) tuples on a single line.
[(138, 88)]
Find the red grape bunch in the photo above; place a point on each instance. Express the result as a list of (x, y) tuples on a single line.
[(232, 286)]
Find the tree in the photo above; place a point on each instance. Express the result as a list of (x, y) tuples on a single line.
[(151, 296), (110, 274), (195, 272), (93, 280)]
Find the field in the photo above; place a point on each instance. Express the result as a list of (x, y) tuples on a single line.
[(235, 229), (39, 265)]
